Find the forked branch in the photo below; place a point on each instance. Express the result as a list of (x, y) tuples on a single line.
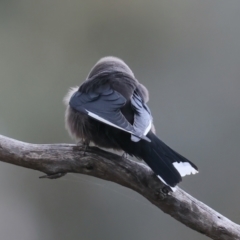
[(65, 158)]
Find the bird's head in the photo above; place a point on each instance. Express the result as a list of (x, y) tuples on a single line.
[(110, 64)]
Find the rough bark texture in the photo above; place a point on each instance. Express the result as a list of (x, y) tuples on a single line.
[(63, 158)]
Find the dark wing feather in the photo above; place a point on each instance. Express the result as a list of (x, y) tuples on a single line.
[(142, 117), (104, 105)]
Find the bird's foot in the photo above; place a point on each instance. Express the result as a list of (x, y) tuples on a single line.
[(125, 155), (166, 190), (85, 144)]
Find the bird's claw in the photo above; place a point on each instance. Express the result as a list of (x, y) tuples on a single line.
[(166, 190), (125, 155), (85, 144)]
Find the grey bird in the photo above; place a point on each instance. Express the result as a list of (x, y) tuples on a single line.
[(110, 109)]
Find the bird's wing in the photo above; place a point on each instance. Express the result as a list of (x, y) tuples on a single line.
[(142, 116), (104, 105)]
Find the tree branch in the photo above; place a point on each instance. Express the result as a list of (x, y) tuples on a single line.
[(63, 158)]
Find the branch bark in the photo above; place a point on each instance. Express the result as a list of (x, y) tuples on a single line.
[(63, 158)]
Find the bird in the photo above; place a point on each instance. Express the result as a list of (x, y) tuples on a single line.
[(110, 110)]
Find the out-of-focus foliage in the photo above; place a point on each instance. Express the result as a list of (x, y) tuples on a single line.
[(188, 55)]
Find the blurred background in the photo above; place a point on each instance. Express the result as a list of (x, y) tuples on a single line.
[(186, 52)]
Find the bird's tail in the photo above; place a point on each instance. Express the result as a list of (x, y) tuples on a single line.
[(167, 164)]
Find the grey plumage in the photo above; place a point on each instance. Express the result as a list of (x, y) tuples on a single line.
[(110, 109), (76, 122)]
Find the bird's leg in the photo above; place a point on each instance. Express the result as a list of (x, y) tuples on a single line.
[(166, 190), (85, 144), (125, 155)]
